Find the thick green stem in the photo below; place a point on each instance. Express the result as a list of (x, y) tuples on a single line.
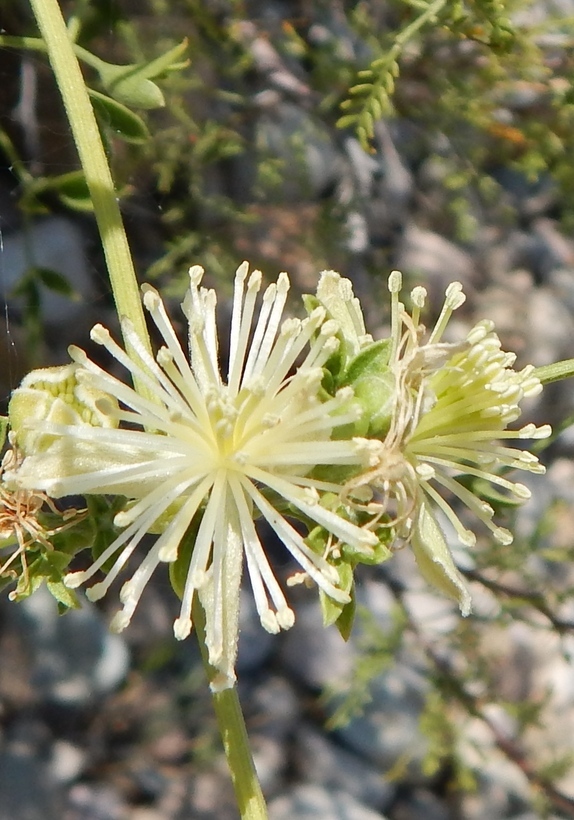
[(231, 723), (94, 163)]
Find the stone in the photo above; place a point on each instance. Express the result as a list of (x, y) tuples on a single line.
[(54, 243), (388, 729), (74, 660), (427, 258), (309, 802), (313, 654), (27, 792), (320, 760)]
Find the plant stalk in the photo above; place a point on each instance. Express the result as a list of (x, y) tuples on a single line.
[(233, 732)]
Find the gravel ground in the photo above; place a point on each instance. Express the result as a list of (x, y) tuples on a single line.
[(102, 727)]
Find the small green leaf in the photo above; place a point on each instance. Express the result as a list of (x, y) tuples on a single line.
[(332, 610), (371, 361), (381, 551), (56, 282), (72, 189), (126, 85), (434, 559), (66, 598), (346, 619), (118, 118), (373, 385), (132, 84), (347, 120)]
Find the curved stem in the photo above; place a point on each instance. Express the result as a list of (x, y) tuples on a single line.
[(39, 44), (233, 732), (94, 163)]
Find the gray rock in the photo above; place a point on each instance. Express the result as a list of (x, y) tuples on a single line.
[(277, 711), (26, 790), (388, 730), (255, 644), (55, 243), (557, 251), (316, 803), (323, 762), (421, 803), (309, 162), (433, 261), (67, 762), (74, 659), (95, 802), (313, 654), (561, 281), (550, 328)]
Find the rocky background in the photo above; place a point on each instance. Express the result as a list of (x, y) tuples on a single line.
[(421, 715)]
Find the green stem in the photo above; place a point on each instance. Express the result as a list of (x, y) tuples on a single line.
[(555, 372), (39, 44), (233, 732), (95, 165)]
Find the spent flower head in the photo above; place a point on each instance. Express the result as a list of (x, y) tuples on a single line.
[(208, 456), (29, 521)]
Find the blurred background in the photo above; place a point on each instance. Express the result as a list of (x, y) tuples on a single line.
[(455, 161)]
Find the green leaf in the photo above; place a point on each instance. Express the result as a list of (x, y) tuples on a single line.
[(127, 85), (132, 84), (332, 610), (346, 619), (72, 189), (373, 384), (372, 361), (103, 510), (118, 118), (381, 552), (435, 561), (56, 282), (66, 598), (347, 120)]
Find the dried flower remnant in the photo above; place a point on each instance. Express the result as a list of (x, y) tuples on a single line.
[(211, 455), (21, 527)]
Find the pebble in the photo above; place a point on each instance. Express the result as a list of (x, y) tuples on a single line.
[(388, 729), (313, 655), (311, 802), (425, 256), (27, 790), (55, 243), (291, 136), (255, 644), (74, 660), (321, 760)]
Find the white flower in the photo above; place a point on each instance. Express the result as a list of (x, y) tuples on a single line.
[(452, 405), (215, 452)]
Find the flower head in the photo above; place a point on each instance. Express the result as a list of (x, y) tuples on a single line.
[(209, 455), (451, 407)]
